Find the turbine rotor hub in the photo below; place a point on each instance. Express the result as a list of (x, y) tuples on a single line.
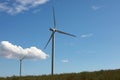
[(53, 29)]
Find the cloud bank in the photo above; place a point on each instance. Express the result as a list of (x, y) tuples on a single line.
[(10, 51), (17, 6)]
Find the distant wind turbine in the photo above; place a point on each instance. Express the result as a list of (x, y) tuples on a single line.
[(53, 41), (21, 66)]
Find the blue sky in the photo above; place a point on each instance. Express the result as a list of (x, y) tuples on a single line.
[(94, 22)]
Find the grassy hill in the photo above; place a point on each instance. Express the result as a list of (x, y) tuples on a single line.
[(96, 75)]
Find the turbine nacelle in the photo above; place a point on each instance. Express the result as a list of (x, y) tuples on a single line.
[(52, 29)]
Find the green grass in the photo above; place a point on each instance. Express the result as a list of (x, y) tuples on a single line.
[(96, 75)]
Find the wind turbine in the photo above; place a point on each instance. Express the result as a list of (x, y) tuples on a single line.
[(21, 65), (54, 30)]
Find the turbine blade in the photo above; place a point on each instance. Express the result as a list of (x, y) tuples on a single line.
[(23, 58), (54, 17), (65, 33), (49, 40)]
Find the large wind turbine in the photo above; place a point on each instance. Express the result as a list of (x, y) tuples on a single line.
[(53, 41)]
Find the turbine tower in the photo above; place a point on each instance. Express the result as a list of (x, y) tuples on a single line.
[(53, 30)]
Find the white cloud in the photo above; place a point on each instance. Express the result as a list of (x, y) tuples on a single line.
[(36, 11), (17, 6), (96, 7), (86, 35), (8, 50), (65, 61)]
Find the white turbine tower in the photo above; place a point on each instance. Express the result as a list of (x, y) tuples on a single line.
[(53, 41)]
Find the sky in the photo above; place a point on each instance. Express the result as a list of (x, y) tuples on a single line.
[(24, 29)]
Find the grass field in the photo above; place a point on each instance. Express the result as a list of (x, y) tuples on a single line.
[(96, 75)]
